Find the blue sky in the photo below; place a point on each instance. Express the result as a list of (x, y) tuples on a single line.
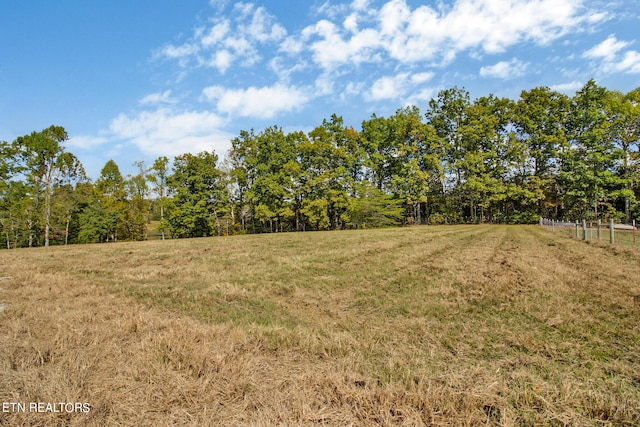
[(134, 80)]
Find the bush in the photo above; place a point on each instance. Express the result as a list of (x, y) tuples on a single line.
[(437, 219)]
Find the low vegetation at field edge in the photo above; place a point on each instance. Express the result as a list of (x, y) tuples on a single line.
[(459, 325)]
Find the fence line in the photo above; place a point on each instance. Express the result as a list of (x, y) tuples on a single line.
[(607, 231)]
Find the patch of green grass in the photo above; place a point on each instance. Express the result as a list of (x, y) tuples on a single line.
[(215, 306)]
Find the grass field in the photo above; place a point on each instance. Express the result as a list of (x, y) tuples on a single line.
[(457, 325)]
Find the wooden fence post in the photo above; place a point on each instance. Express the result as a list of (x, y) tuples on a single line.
[(577, 230), (611, 231), (599, 223), (584, 229)]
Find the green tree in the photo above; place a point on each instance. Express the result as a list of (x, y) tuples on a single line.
[(373, 208), (199, 196), (382, 151), (625, 132), (270, 194), (540, 120), (329, 173), (447, 115), (588, 174), (419, 155), (97, 224), (112, 196), (45, 163), (70, 198), (243, 162), (14, 213), (158, 175), (487, 160), (139, 207)]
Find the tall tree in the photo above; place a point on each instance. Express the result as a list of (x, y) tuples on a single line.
[(139, 206), (419, 157), (158, 176), (540, 120), (588, 166), (329, 167), (243, 162), (448, 114), (270, 193), (14, 213), (625, 132), (199, 196), (45, 163), (112, 196)]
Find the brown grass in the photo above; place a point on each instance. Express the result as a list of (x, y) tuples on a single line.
[(468, 325)]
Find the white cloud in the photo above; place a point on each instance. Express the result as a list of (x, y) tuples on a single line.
[(424, 95), (221, 60), (630, 63), (569, 88), (422, 77), (389, 87), (403, 38), (243, 9), (86, 142), (216, 34), (393, 17), (168, 132), (227, 41), (360, 4), (352, 89), (495, 25), (178, 52), (331, 48), (613, 57), (324, 84), (264, 102), (219, 4), (504, 69), (158, 98), (439, 34), (263, 28), (401, 86), (284, 69), (606, 50), (331, 10), (291, 45)]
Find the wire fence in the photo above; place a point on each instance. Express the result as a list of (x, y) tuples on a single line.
[(604, 231)]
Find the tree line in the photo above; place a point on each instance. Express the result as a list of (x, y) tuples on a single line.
[(488, 159)]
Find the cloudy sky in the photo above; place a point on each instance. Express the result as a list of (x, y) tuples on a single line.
[(134, 80)]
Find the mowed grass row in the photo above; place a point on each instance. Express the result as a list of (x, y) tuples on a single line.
[(460, 325)]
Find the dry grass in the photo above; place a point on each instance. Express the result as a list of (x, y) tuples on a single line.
[(468, 325)]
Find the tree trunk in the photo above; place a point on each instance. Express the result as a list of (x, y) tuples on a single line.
[(66, 232), (233, 218), (627, 202), (162, 220)]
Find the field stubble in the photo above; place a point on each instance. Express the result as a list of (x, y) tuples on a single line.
[(465, 325)]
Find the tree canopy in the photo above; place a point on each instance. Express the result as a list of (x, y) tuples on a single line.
[(488, 159)]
